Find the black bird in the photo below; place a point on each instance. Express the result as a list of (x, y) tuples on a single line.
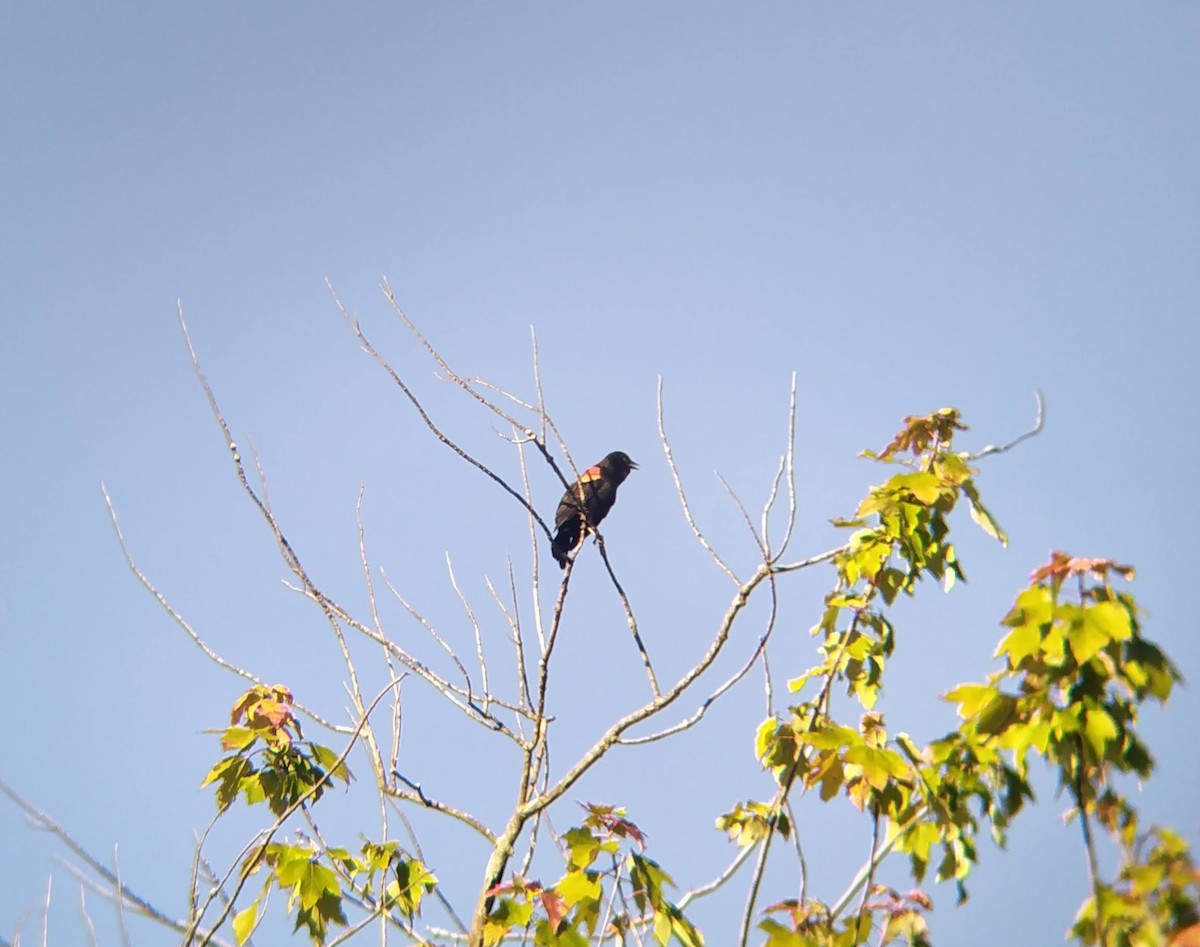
[(587, 502)]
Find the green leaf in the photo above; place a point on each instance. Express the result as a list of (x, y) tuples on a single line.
[(238, 738), (997, 714), (245, 921), (970, 698), (878, 766), (1099, 728), (413, 881), (764, 739), (315, 883), (1085, 639), (797, 683), (1111, 618), (682, 928), (582, 847), (1034, 606), (662, 927), (1020, 643), (982, 517), (780, 936), (923, 486), (506, 915), (576, 886), (233, 773), (829, 737)]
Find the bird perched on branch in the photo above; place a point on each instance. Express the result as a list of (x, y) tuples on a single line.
[(587, 502)]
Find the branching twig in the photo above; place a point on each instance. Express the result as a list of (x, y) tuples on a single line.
[(418, 796), (86, 917), (121, 894), (367, 347)]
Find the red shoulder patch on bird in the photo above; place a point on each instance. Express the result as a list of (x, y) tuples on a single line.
[(592, 473)]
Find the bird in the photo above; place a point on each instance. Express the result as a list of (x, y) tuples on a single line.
[(586, 502)]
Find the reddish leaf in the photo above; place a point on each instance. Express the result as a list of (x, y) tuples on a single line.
[(555, 908)]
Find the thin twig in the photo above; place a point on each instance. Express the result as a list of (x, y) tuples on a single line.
[(1038, 424), (630, 620), (46, 913), (759, 541), (717, 883), (382, 767), (1089, 844), (791, 473), (122, 893), (820, 557), (759, 652), (617, 729), (687, 511), (419, 796), (475, 627), (367, 347), (867, 884), (86, 917), (803, 892)]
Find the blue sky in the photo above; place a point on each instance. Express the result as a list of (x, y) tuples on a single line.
[(909, 206)]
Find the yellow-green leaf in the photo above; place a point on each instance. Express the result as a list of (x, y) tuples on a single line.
[(1099, 729), (923, 486), (238, 738), (1020, 643), (1034, 606), (970, 698), (1085, 639), (1112, 618), (244, 923), (575, 886)]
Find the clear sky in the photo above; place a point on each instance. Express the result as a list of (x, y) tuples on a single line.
[(909, 205)]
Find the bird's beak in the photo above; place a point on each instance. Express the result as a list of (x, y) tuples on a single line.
[(633, 465)]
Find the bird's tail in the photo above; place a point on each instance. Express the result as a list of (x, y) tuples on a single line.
[(566, 539)]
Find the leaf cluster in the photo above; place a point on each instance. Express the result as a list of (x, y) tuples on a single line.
[(605, 851), (271, 762)]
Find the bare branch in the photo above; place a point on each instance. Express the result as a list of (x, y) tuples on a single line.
[(475, 627), (630, 620), (868, 883), (373, 602), (706, 889), (121, 894), (880, 854), (790, 464), (759, 541), (418, 796), (367, 347), (463, 699), (514, 627), (825, 556), (1038, 424), (759, 652), (86, 917), (687, 511), (46, 913), (617, 729)]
